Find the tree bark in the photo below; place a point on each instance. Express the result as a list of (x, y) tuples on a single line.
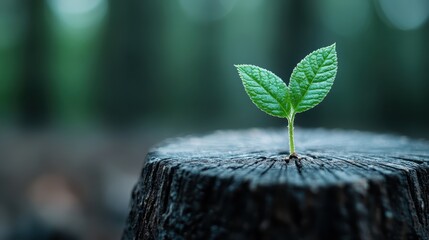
[(238, 185)]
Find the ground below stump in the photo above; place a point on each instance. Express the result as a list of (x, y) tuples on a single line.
[(237, 185)]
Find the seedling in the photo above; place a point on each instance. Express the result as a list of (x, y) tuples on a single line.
[(309, 84)]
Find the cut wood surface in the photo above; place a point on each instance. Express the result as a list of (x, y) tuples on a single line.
[(237, 185)]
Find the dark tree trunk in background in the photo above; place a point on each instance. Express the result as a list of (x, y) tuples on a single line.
[(237, 185), (125, 93), (33, 94)]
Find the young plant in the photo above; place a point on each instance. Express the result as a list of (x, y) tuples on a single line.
[(309, 84)]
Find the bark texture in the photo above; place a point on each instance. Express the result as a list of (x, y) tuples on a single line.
[(237, 185)]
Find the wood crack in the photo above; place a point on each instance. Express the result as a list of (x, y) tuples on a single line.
[(236, 185)]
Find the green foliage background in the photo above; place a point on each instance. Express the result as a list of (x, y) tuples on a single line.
[(163, 64)]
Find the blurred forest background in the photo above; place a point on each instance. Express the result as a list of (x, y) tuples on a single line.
[(87, 86)]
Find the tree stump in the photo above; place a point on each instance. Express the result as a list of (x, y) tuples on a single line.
[(237, 185)]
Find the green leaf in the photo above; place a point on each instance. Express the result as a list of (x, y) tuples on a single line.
[(267, 91), (309, 84), (312, 78)]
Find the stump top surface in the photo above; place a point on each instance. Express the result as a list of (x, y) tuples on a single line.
[(329, 157)]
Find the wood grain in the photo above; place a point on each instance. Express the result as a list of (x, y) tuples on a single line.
[(237, 185)]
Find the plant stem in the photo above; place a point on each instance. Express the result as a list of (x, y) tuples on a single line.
[(291, 140)]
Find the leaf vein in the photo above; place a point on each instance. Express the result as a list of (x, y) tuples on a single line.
[(310, 82)]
